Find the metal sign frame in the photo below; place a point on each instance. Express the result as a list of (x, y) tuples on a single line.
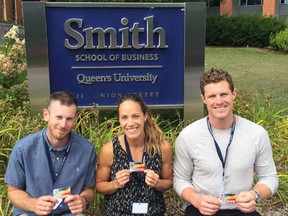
[(36, 36)]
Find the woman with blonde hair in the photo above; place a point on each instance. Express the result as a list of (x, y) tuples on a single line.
[(135, 168)]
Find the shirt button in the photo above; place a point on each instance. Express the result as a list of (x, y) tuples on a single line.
[(57, 158)]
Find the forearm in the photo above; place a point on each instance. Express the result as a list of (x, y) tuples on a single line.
[(88, 193), (190, 195), (106, 187), (263, 191), (22, 200), (163, 184)]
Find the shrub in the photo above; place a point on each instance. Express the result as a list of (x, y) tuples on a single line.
[(279, 41), (242, 30), (13, 71), (18, 124)]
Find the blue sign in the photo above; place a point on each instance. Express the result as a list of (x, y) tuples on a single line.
[(100, 54)]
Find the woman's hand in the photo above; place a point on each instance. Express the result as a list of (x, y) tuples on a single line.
[(121, 179), (151, 178)]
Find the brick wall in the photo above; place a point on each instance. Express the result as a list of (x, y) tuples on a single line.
[(13, 9), (269, 7), (1, 10), (226, 7), (18, 12), (10, 10)]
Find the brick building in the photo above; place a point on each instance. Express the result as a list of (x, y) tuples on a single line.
[(276, 8), (11, 10)]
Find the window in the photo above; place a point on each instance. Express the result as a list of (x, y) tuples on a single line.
[(213, 3), (252, 2)]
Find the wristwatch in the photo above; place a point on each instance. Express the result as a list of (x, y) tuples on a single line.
[(258, 198)]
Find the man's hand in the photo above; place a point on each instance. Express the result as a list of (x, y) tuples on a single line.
[(76, 203), (44, 205), (246, 201), (208, 205)]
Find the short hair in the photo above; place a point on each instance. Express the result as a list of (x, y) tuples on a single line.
[(214, 76), (65, 98)]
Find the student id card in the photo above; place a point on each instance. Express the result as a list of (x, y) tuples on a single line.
[(137, 167), (60, 194), (228, 198)]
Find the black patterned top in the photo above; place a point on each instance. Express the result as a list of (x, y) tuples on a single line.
[(136, 190)]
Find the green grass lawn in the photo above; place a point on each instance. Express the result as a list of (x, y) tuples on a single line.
[(253, 70)]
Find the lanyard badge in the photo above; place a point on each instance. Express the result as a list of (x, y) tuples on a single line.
[(60, 194), (231, 197), (137, 207), (137, 166), (140, 208), (228, 198)]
